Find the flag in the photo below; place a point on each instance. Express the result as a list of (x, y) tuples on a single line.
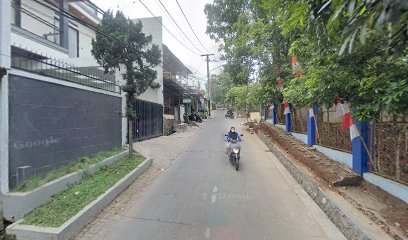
[(348, 123), (354, 132), (280, 83), (311, 113), (293, 61), (286, 108)]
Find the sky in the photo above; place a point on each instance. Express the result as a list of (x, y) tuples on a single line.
[(194, 10)]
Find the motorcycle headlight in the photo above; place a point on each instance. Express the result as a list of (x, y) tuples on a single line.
[(235, 150)]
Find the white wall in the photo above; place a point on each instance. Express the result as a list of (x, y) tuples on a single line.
[(4, 116), (33, 25), (85, 41), (34, 43), (153, 27)]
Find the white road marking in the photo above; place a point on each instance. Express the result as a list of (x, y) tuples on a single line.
[(207, 233), (214, 195)]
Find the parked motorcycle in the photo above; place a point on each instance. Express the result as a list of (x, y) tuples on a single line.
[(195, 117), (229, 114), (234, 152), (186, 118)]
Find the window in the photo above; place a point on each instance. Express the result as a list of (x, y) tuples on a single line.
[(56, 31), (73, 42)]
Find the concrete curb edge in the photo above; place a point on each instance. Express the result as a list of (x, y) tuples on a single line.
[(77, 222), (18, 204), (350, 228)]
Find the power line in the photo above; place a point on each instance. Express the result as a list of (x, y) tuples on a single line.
[(45, 22), (185, 17), (80, 21), (179, 27), (167, 29)]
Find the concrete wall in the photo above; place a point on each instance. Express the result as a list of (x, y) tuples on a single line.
[(153, 27), (300, 136), (341, 157), (52, 125), (37, 42), (397, 189), (85, 41), (33, 25)]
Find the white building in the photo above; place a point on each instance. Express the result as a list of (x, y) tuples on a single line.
[(56, 103)]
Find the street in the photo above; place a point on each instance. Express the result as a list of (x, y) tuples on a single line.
[(201, 196)]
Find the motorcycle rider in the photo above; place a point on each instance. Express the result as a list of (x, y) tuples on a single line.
[(232, 135), (232, 139)]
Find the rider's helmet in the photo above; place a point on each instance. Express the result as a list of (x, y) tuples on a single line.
[(232, 129)]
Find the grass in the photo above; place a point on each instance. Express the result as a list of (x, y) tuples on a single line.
[(82, 164), (65, 205)]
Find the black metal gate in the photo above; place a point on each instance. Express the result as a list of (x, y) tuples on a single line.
[(149, 120)]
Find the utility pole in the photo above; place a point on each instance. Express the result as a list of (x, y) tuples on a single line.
[(208, 79)]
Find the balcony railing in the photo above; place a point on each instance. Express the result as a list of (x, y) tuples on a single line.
[(42, 65)]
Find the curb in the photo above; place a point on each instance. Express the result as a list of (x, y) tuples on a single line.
[(344, 221), (77, 222), (16, 205)]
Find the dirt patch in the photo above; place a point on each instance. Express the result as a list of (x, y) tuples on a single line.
[(329, 170), (387, 211)]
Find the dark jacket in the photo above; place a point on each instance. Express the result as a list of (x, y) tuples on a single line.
[(233, 136)]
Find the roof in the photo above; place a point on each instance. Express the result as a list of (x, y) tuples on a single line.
[(172, 66)]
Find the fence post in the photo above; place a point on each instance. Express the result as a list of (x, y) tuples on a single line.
[(311, 126), (360, 155), (274, 116), (289, 120), (265, 114)]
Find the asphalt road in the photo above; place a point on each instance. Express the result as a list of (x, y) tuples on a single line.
[(201, 196)]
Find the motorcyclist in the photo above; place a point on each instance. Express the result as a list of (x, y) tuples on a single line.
[(230, 111), (232, 135)]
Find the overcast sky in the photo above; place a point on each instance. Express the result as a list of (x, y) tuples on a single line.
[(194, 10)]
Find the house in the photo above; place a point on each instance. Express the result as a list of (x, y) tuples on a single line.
[(57, 105), (179, 96), (149, 105)]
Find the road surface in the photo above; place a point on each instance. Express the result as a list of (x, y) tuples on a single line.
[(201, 196)]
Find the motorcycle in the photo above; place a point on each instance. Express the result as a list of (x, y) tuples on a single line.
[(195, 117), (229, 115), (186, 118), (234, 152)]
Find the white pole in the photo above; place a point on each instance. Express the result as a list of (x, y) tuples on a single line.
[(5, 53)]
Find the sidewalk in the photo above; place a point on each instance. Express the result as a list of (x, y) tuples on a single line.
[(163, 150)]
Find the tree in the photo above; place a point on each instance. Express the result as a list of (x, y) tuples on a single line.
[(220, 85), (120, 42), (343, 48)]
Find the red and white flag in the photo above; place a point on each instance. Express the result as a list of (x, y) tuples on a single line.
[(311, 113), (280, 83), (348, 123), (286, 108)]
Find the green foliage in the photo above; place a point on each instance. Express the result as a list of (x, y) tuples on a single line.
[(81, 164), (220, 85), (127, 46), (342, 46), (65, 205), (252, 96)]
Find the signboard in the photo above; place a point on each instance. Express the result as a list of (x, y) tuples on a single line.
[(186, 100)]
